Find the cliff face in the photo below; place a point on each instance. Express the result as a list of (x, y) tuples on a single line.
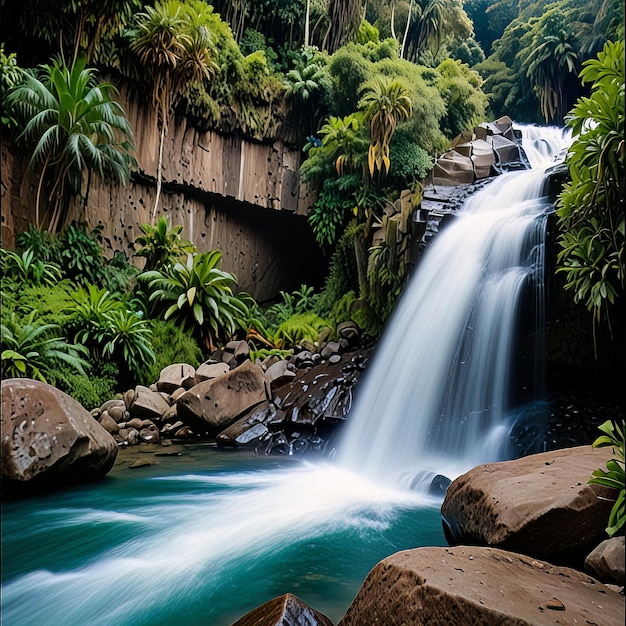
[(229, 193)]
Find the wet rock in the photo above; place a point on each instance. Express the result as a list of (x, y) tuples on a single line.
[(49, 439), (279, 373), (479, 585), (539, 505), (286, 610), (606, 562), (219, 402), (248, 429)]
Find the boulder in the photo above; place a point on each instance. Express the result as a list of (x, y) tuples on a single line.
[(173, 376), (606, 561), (539, 505), (108, 423), (220, 401), (147, 404), (453, 168), (208, 371), (248, 429), (287, 610), (48, 438), (479, 585), (280, 373)]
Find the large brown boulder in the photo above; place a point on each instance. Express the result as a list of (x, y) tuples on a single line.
[(49, 439), (539, 505), (220, 401), (287, 610), (477, 585)]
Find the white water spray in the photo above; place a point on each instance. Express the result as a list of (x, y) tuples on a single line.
[(435, 396)]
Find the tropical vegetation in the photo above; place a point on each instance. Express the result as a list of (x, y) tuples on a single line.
[(371, 92)]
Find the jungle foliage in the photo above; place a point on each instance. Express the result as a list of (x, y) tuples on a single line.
[(591, 206)]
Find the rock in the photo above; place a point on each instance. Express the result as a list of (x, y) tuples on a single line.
[(113, 404), (478, 585), (208, 371), (184, 432), (132, 436), (248, 429), (168, 429), (219, 402), (140, 463), (287, 610), (332, 347), (117, 411), (108, 423), (177, 394), (135, 422), (150, 434), (606, 562), (171, 414), (49, 439), (539, 505), (129, 396), (349, 331), (240, 350), (147, 403), (279, 373)]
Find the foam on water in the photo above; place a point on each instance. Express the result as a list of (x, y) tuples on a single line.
[(196, 540)]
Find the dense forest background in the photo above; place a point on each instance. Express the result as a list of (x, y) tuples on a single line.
[(371, 92)]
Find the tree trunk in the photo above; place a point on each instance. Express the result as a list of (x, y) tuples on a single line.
[(306, 23), (406, 30), (159, 169)]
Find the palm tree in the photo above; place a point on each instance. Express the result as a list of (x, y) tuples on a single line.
[(385, 101), (174, 44), (73, 122), (551, 65), (342, 141)]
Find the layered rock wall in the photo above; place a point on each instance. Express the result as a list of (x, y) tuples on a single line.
[(230, 193)]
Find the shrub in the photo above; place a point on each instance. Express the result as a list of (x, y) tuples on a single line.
[(199, 296), (80, 254), (613, 476), (299, 327), (91, 391), (34, 350), (112, 330), (170, 345), (26, 268), (161, 246)]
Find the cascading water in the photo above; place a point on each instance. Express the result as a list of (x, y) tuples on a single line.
[(437, 395), (199, 542)]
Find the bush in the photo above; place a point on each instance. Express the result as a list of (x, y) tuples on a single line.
[(170, 345), (613, 476), (91, 391), (80, 254)]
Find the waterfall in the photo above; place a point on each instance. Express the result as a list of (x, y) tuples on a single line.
[(438, 395)]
